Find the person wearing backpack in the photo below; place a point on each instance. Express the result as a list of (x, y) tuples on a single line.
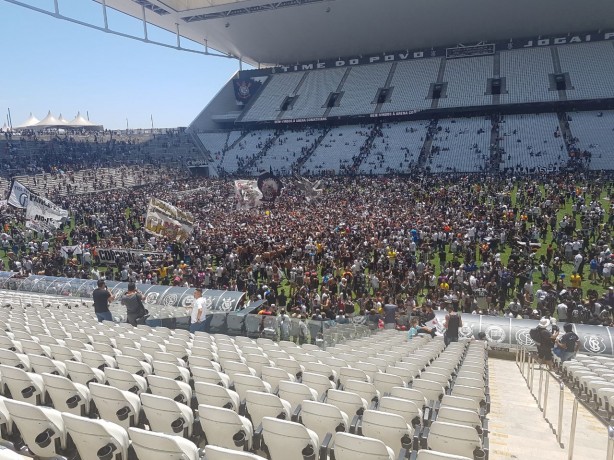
[(568, 345), (544, 339)]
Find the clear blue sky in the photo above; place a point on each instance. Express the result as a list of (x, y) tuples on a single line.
[(51, 64)]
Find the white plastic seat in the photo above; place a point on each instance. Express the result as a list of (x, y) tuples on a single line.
[(42, 429), (460, 417), (41, 364), (295, 393), (409, 394), (236, 367), (324, 418), (84, 374), (134, 365), (257, 362), (216, 395), (260, 405), (274, 375), (365, 390), (368, 368), (288, 440), (24, 386), (202, 374), (167, 416), (432, 391), (10, 358), (291, 366), (124, 380), (205, 363), (320, 368), (171, 371), (406, 409), (460, 403), (118, 406), (442, 379), (31, 347), (97, 360), (318, 382), (97, 438), (346, 373), (225, 428), (453, 439), (351, 447), (245, 382), (477, 394), (66, 395), (169, 388), (158, 446), (137, 353), (386, 382), (63, 353), (406, 374), (391, 429), (106, 349), (348, 402), (6, 422)]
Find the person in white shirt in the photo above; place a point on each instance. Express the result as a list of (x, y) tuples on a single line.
[(199, 319)]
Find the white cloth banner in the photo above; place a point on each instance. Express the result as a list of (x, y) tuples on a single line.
[(165, 220), (248, 194), (69, 251), (19, 196), (42, 214)]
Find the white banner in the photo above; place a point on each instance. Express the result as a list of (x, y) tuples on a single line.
[(131, 256), (165, 220), (19, 196), (42, 214), (248, 194)]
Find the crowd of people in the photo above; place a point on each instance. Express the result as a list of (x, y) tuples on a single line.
[(531, 247)]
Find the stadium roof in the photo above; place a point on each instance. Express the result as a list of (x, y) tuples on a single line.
[(285, 32)]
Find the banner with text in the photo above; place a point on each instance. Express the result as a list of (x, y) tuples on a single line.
[(42, 215), (19, 195), (130, 256), (165, 220)]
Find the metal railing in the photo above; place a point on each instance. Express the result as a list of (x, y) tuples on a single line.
[(526, 362)]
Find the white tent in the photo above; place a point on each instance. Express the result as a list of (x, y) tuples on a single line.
[(62, 120), (31, 121), (80, 122), (48, 122)]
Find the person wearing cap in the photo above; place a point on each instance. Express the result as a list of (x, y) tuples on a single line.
[(545, 342), (199, 319)]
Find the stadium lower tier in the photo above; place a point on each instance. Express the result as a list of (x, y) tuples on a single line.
[(514, 144)]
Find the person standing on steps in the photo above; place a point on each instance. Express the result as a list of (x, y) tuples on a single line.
[(452, 324), (102, 297)]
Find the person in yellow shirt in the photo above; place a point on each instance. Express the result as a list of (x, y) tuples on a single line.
[(576, 280)]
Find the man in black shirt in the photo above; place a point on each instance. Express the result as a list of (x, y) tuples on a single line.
[(102, 297)]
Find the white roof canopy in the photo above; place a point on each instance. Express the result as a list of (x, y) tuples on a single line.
[(31, 121)]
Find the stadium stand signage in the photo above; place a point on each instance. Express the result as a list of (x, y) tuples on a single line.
[(300, 120), (503, 333), (451, 52), (130, 256)]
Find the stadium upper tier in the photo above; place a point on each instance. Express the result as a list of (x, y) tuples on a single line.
[(527, 143), (521, 76)]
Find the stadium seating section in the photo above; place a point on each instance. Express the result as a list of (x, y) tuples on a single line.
[(527, 76), (70, 384)]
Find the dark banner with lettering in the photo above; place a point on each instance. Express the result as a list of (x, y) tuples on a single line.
[(451, 52), (130, 256)]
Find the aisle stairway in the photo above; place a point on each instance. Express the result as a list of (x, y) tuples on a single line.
[(518, 429)]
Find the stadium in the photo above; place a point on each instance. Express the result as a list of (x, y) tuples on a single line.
[(387, 236)]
